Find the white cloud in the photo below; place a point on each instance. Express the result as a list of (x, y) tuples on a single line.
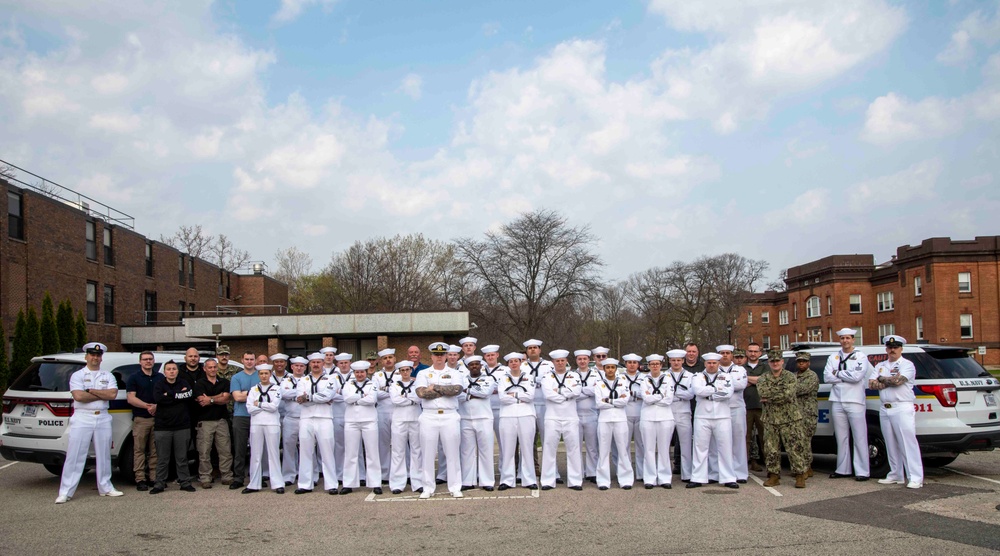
[(977, 27), (893, 119), (915, 183), (412, 86), (290, 10)]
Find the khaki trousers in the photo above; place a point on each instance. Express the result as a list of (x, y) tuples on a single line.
[(214, 433)]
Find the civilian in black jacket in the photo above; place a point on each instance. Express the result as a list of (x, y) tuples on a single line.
[(172, 427)]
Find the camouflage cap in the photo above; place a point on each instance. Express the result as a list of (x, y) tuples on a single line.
[(371, 355), (802, 356), (739, 353), (222, 349), (775, 354)]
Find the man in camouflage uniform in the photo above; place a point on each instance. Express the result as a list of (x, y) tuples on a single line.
[(805, 394), (782, 421)]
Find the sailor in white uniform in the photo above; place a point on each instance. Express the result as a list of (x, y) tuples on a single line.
[(383, 379), (405, 431), (680, 383), (494, 369), (290, 424), (848, 370), (517, 423), (438, 388), (712, 422), (738, 412), (657, 423), (561, 389), (315, 394), (611, 396), (634, 379), (536, 367), (477, 426), (893, 378), (264, 404), (586, 410), (361, 428)]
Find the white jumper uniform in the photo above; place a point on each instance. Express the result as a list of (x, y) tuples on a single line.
[(897, 416), (477, 430), (713, 431), (405, 436), (738, 412), (339, 409), (496, 373), (361, 423), (537, 371), (612, 427), (561, 421), (316, 430), (680, 383), (657, 423), (586, 409), (633, 412), (290, 426), (383, 379), (265, 434), (847, 372), (517, 426), (440, 424), (90, 422)]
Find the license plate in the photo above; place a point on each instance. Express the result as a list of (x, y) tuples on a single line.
[(29, 411), (991, 399)]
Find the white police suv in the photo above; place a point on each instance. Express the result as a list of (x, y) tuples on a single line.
[(38, 405), (956, 405)]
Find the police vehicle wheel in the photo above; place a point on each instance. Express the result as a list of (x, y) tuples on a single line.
[(939, 461), (53, 468), (878, 457), (126, 462)]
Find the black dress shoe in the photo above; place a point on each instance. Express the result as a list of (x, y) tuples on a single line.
[(156, 490), (532, 487), (377, 490), (602, 488), (667, 486), (264, 483), (591, 479), (142, 486), (838, 476), (648, 486), (732, 485), (487, 488), (741, 481), (288, 483), (503, 486), (576, 487), (302, 490), (440, 481), (397, 491), (362, 483), (188, 488), (467, 487), (559, 481), (861, 478), (547, 487), (279, 490), (627, 487), (693, 484), (333, 492), (713, 482), (685, 480), (345, 490), (249, 491), (419, 490), (235, 485)]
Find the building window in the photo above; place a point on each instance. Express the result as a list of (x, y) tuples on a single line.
[(222, 282), (855, 303), (885, 330), (191, 272), (795, 311), (181, 306), (229, 283), (920, 328), (815, 334), (91, 241), (109, 252), (109, 304), (859, 338), (783, 316), (918, 286), (812, 307), (829, 334), (885, 302), (765, 343), (829, 305), (964, 282), (149, 306), (92, 301), (180, 270), (765, 317), (15, 215), (749, 317), (191, 309), (965, 326), (149, 259), (784, 341)]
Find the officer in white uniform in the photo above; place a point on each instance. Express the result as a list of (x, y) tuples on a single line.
[(633, 411), (92, 389), (561, 388), (263, 404), (384, 378), (290, 424), (477, 425), (657, 423), (611, 395), (495, 370), (680, 382), (712, 422), (893, 378), (315, 395), (517, 423), (361, 424), (438, 388), (738, 411), (586, 410), (848, 370), (405, 431)]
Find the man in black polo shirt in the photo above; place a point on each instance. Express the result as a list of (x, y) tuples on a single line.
[(692, 359), (211, 393), (192, 371), (140, 396)]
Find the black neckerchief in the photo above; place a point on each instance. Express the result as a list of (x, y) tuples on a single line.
[(560, 383), (712, 383), (631, 382), (613, 395), (388, 376), (360, 389), (534, 370), (341, 378), (583, 378), (295, 383), (474, 382), (405, 388), (677, 381), (656, 387), (265, 394), (520, 379), (844, 360), (490, 371), (315, 389)]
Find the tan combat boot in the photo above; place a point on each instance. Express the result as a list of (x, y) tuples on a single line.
[(800, 480), (773, 479), (809, 473)]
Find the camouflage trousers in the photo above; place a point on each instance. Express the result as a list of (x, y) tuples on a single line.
[(808, 431), (789, 435)]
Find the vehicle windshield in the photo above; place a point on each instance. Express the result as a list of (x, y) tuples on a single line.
[(46, 377)]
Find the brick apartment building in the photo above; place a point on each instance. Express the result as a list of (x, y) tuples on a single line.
[(89, 253), (942, 291)]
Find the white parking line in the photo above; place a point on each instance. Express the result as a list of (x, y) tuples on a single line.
[(953, 471), (9, 464), (757, 480), (446, 497)]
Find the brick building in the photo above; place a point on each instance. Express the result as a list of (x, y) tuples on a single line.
[(942, 291), (88, 253)]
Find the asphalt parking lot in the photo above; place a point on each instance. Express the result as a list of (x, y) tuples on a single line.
[(955, 513)]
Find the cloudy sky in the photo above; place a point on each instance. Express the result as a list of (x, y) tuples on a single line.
[(780, 129)]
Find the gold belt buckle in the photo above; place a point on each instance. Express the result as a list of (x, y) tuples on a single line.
[(97, 412), (888, 406), (440, 411)]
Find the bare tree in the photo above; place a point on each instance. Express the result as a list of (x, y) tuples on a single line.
[(291, 264), (7, 171), (778, 285), (191, 240), (227, 256), (528, 270)]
